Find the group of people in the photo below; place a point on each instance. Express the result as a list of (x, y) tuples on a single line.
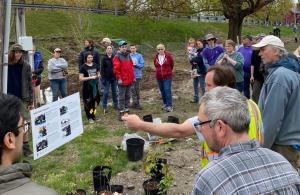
[(119, 71), (204, 53), (246, 149)]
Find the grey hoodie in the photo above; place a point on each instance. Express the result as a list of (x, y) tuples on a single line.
[(56, 67), (279, 102), (16, 180)]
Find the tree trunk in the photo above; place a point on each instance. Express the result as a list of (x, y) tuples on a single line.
[(235, 28)]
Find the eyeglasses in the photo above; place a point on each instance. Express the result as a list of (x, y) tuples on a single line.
[(57, 51), (25, 126), (159, 49), (199, 125)]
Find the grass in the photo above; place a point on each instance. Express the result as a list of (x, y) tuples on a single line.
[(70, 166)]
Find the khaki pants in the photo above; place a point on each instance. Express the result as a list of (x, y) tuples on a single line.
[(292, 155)]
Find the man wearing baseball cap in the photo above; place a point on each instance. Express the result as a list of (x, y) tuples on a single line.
[(279, 100), (123, 69)]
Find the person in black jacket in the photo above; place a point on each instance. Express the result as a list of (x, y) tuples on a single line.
[(198, 72), (89, 47), (108, 79)]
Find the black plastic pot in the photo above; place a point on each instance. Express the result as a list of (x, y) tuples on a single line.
[(148, 118), (101, 178), (151, 187), (135, 149), (156, 173), (173, 119), (80, 192), (116, 188)]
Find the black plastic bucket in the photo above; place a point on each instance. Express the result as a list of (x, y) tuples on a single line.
[(148, 118), (116, 188), (135, 149), (173, 119), (101, 178), (151, 187)]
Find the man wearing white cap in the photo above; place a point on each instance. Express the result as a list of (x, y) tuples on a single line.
[(279, 100)]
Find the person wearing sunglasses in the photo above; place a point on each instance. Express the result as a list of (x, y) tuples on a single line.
[(243, 166), (212, 51), (57, 67), (164, 63), (15, 176)]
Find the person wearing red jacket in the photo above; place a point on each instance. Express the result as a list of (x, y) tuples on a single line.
[(123, 69), (164, 63)]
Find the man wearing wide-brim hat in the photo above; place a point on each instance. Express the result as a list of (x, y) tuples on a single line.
[(279, 99), (212, 51)]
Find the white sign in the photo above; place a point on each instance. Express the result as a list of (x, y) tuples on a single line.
[(55, 124)]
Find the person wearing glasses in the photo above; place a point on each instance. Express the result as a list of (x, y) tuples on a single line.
[(19, 82), (212, 51), (164, 63), (15, 176), (57, 67), (216, 76), (243, 166)]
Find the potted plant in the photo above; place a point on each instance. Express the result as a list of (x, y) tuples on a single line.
[(158, 169)]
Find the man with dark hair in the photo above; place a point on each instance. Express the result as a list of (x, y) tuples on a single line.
[(242, 166), (89, 47), (15, 176), (219, 76)]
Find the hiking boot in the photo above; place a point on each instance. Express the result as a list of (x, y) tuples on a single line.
[(91, 121), (137, 107), (169, 109), (194, 102), (164, 107), (121, 113)]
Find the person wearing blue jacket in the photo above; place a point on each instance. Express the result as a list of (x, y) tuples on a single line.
[(279, 100), (38, 68), (138, 64)]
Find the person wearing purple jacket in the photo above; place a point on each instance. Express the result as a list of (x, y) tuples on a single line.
[(246, 51), (211, 52)]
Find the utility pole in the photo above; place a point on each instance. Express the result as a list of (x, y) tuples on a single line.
[(7, 15), (2, 14)]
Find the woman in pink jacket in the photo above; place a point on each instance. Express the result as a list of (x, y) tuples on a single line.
[(164, 63)]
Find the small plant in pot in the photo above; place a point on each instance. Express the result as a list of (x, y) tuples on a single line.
[(157, 168)]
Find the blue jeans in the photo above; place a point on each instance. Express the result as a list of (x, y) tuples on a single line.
[(196, 81), (240, 86), (106, 84), (247, 84), (58, 86), (165, 87)]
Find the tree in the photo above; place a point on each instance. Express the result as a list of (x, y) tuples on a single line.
[(274, 11), (237, 10)]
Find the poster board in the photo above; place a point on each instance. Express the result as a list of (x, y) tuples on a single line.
[(55, 124)]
